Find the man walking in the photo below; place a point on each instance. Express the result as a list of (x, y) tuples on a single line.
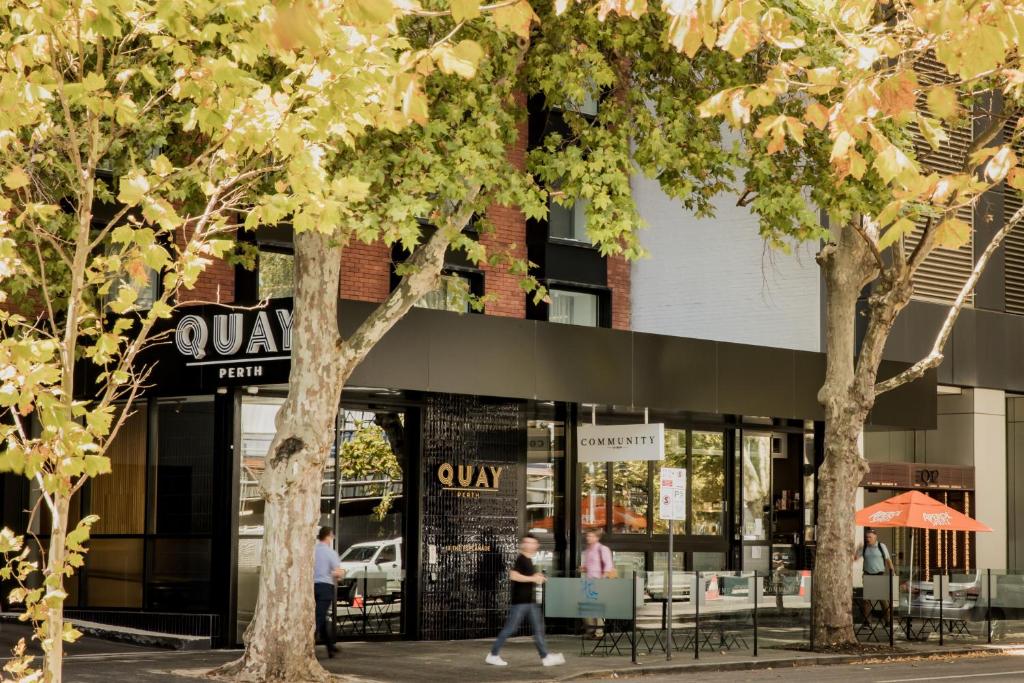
[(597, 564), (876, 561), (326, 570), (524, 577)]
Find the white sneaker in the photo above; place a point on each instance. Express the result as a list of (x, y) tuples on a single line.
[(496, 660), (553, 659)]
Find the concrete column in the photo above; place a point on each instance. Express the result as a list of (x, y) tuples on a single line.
[(990, 489)]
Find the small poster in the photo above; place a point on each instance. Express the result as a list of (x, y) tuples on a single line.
[(672, 504)]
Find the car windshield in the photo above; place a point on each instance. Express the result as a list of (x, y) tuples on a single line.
[(359, 553)]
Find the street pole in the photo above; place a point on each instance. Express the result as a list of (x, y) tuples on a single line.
[(669, 643)]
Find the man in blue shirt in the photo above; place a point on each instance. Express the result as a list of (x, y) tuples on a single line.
[(326, 570)]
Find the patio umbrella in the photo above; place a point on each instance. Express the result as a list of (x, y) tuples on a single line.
[(915, 510)]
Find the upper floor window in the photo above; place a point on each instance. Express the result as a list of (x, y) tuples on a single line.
[(275, 273), (574, 308), (452, 294), (569, 222)]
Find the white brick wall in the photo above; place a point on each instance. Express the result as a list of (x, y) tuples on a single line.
[(716, 278)]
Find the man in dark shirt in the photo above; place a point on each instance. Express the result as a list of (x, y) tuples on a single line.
[(524, 577)]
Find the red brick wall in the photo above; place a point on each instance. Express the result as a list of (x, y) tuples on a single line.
[(216, 284), (619, 283), (509, 235), (366, 272)]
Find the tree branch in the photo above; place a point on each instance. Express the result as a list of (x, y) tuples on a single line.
[(935, 357), (426, 264)]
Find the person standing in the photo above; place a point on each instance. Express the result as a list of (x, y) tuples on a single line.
[(326, 571), (876, 561), (524, 576), (597, 564)]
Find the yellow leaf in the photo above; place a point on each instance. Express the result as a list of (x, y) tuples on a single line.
[(133, 188), (464, 10), (1015, 179), (952, 233), (892, 163), (516, 18), (898, 94), (903, 226), (942, 102), (16, 178), (816, 115), (373, 12), (461, 59)]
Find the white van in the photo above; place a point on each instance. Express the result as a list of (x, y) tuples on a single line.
[(380, 562)]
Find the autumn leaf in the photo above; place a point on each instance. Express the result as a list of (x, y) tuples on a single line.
[(952, 233), (942, 102), (898, 94), (516, 18)]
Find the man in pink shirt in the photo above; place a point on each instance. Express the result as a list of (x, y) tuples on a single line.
[(597, 564)]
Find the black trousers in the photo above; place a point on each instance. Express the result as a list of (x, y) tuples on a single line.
[(323, 593)]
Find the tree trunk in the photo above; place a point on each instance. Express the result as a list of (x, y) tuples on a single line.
[(844, 265), (280, 639), (53, 661)]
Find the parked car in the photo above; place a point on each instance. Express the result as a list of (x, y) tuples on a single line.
[(379, 562)]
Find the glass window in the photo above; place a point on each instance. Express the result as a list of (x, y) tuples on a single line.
[(569, 222), (544, 455), (113, 573), (179, 574), (631, 494), (573, 308), (146, 291), (119, 498), (276, 273), (707, 484), (708, 562), (451, 295), (184, 467), (628, 563), (387, 554), (675, 456), (593, 499), (756, 463)]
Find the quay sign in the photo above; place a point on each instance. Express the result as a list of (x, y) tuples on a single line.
[(469, 481), (235, 345), (614, 443)]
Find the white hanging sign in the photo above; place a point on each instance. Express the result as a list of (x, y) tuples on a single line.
[(616, 443), (672, 503)]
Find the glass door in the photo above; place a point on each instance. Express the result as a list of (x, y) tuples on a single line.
[(755, 495)]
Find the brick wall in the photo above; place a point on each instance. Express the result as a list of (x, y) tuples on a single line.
[(216, 284), (510, 235), (619, 283), (366, 272)]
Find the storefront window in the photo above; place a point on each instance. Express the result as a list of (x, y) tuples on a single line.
[(276, 274), (708, 562), (114, 573), (756, 477), (675, 456), (707, 484), (631, 493), (119, 498), (629, 563), (593, 513), (184, 467), (545, 455)]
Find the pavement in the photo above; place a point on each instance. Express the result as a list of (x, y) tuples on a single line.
[(418, 662)]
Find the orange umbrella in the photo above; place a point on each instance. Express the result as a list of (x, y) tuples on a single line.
[(916, 510)]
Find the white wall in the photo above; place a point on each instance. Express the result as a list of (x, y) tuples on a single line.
[(716, 279)]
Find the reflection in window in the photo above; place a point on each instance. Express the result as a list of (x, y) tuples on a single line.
[(546, 440), (708, 562), (184, 467), (114, 572), (593, 514), (276, 274), (452, 294), (708, 484), (629, 512), (569, 222), (629, 563), (573, 308), (675, 456), (757, 485)]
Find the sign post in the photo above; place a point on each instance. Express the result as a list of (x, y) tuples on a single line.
[(672, 506)]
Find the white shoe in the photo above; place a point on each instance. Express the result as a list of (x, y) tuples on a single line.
[(496, 660), (553, 659)]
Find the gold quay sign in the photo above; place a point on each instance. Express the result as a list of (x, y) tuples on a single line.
[(469, 481)]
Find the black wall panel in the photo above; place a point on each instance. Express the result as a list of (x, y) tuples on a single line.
[(465, 593)]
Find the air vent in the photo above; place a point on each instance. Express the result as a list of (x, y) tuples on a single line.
[(943, 274)]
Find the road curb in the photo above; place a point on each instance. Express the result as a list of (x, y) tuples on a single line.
[(775, 663)]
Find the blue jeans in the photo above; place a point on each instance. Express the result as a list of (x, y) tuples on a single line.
[(516, 614), (323, 594)]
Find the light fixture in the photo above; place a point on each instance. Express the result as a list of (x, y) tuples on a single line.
[(253, 390)]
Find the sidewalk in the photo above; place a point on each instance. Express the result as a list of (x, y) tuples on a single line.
[(463, 662)]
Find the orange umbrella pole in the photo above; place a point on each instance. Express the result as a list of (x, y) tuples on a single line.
[(967, 534), (927, 557)]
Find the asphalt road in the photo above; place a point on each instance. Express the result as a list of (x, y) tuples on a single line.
[(983, 669)]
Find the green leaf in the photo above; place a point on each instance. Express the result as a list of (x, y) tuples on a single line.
[(16, 178)]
